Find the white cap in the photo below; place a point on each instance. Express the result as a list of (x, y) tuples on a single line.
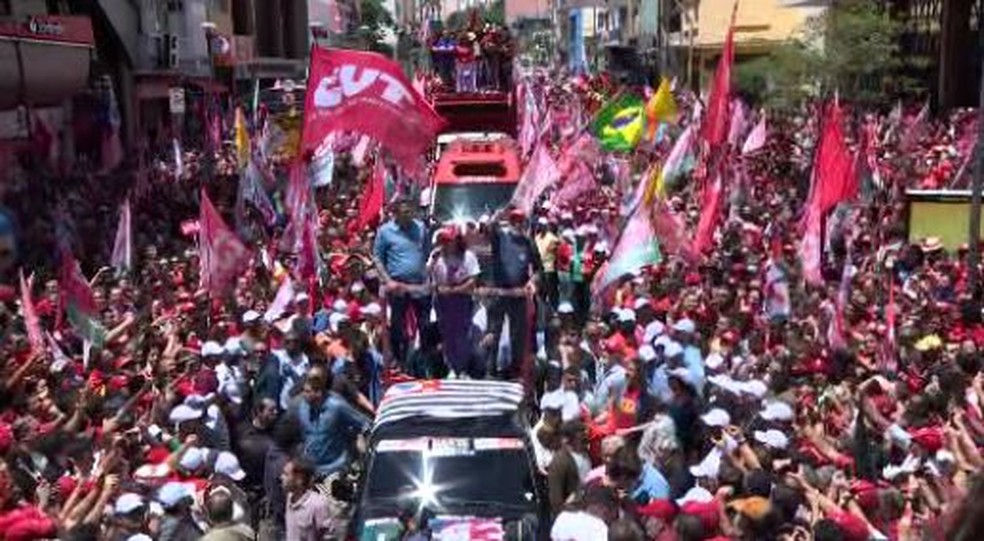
[(568, 234), (777, 411), (227, 464), (567, 215), (685, 325), (173, 493), (772, 438), (647, 353), (654, 329), (301, 297), (193, 458), (372, 309), (339, 306), (601, 247), (234, 346), (139, 537), (212, 348), (683, 374), (672, 349), (696, 495), (714, 361), (565, 308), (552, 401), (754, 387), (709, 467), (182, 413), (627, 315), (128, 503), (542, 220), (662, 341), (358, 287), (723, 381), (250, 316), (640, 303), (335, 320), (716, 417)]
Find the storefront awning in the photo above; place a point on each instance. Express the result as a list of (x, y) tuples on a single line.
[(43, 60)]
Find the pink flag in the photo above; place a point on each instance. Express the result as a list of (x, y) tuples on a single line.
[(308, 260), (710, 209), (122, 258), (31, 321), (738, 119), (669, 229), (776, 285), (756, 139), (636, 248), (580, 181), (809, 248), (285, 294), (540, 174), (682, 146), (890, 347), (915, 130), (111, 150), (223, 256)]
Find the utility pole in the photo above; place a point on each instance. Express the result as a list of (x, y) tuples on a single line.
[(973, 242)]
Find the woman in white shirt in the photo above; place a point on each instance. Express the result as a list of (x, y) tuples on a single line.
[(454, 270)]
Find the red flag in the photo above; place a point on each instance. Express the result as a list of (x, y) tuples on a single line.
[(223, 256), (371, 206), (809, 249), (834, 179), (580, 181), (31, 321), (367, 93), (308, 260), (710, 209), (715, 126)]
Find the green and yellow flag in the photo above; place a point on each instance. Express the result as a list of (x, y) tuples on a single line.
[(620, 124), (662, 107)]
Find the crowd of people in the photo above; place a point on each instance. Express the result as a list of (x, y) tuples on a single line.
[(475, 58), (718, 399)]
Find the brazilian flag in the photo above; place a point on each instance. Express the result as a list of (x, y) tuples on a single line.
[(621, 123)]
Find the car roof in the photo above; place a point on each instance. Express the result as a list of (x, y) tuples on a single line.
[(448, 400)]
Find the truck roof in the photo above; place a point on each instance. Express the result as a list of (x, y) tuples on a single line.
[(483, 161), (429, 404)]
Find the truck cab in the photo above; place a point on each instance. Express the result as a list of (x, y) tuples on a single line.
[(474, 177), (455, 450)]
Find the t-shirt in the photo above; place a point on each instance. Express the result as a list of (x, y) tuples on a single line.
[(452, 271), (512, 256), (578, 526), (403, 251), (547, 243)]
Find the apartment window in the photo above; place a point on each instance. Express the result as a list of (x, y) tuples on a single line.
[(5, 9)]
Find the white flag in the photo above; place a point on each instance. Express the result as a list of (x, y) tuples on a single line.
[(122, 258)]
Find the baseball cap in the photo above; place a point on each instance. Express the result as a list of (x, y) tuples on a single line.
[(717, 417), (250, 316), (777, 411), (685, 325), (212, 348), (173, 493), (647, 353), (128, 503), (565, 308), (183, 412), (227, 464), (772, 438)]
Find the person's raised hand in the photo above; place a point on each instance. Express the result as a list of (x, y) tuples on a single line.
[(191, 440)]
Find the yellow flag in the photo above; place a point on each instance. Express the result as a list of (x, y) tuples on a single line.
[(242, 138), (662, 107), (655, 187)]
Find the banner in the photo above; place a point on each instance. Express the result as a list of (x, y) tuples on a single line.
[(122, 257), (540, 174), (369, 94), (223, 256)]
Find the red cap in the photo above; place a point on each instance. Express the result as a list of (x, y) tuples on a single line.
[(928, 437), (664, 510), (7, 293), (708, 512)]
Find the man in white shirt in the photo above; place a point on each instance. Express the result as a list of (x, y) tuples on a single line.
[(598, 508)]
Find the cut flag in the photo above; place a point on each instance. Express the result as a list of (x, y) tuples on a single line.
[(78, 301), (367, 93), (31, 321), (223, 256), (619, 125), (636, 248), (122, 258), (662, 107)]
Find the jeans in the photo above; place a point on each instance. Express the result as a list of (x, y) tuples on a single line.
[(399, 304), (518, 311)]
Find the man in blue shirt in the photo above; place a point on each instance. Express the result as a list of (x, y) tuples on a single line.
[(331, 426), (400, 252), (515, 262)]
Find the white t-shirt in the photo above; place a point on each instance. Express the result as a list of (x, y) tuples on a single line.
[(451, 271), (578, 526), (570, 406)]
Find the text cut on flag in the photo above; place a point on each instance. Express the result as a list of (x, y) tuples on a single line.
[(366, 93)]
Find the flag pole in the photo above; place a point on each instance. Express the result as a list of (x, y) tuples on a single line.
[(973, 242)]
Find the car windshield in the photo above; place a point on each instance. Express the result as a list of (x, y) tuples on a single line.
[(470, 201), (456, 475)]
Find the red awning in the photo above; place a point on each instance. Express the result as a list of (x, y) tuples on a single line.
[(43, 60)]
